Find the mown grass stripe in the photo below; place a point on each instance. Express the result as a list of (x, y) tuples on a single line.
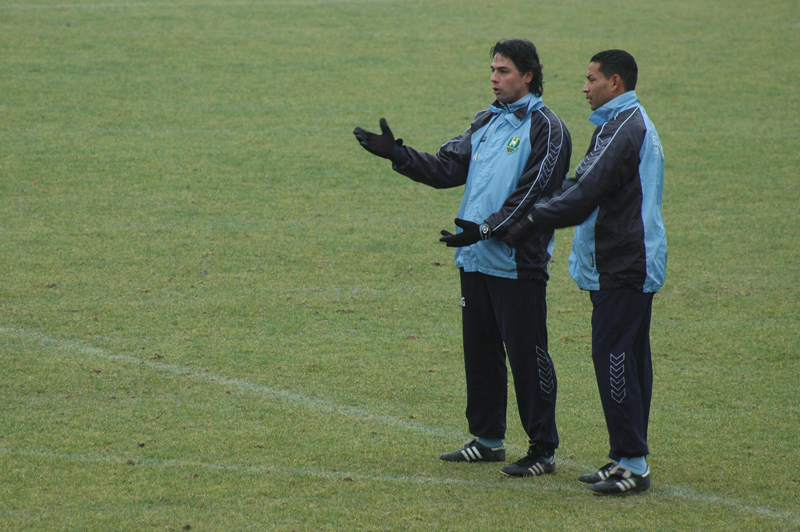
[(322, 405), (161, 5), (663, 490)]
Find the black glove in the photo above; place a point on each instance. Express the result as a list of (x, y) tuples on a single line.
[(471, 233), (518, 232), (383, 145)]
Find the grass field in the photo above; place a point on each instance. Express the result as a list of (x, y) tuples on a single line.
[(217, 312)]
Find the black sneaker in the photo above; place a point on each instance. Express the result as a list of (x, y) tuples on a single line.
[(597, 476), (621, 480), (532, 464), (475, 452)]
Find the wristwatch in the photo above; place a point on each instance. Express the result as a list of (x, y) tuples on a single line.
[(485, 231)]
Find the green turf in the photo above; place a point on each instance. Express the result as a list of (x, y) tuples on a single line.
[(217, 312)]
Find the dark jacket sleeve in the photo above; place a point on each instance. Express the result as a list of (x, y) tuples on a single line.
[(547, 165), (612, 160), (447, 169), (450, 166)]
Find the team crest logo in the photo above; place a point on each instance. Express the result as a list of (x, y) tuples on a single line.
[(512, 145)]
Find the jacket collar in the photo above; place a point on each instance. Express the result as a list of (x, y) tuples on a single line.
[(612, 108), (520, 108)]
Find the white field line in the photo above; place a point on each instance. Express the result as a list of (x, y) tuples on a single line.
[(277, 470), (665, 490), (291, 397), (183, 4)]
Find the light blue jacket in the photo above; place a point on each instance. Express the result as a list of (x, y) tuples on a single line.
[(614, 201), (510, 156)]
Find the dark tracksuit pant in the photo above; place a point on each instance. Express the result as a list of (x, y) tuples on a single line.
[(623, 366), (507, 316)]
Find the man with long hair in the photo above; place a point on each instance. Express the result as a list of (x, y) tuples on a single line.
[(512, 154)]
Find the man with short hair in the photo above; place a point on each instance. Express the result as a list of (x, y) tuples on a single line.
[(513, 153), (619, 255)]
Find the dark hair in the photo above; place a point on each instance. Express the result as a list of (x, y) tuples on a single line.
[(524, 55), (618, 62)]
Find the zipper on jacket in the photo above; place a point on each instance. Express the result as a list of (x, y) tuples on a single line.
[(591, 260)]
